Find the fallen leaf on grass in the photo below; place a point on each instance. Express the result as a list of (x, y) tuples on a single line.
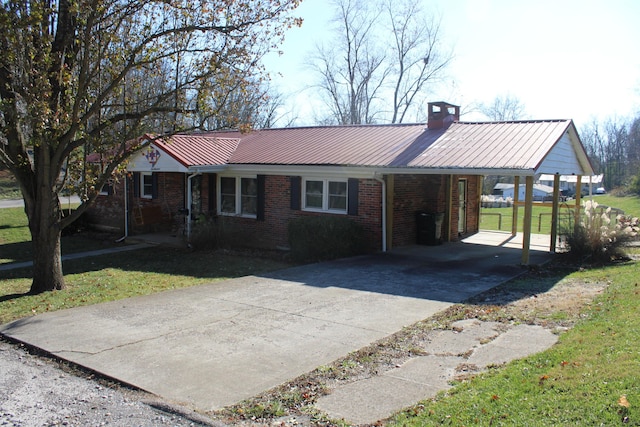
[(542, 379), (623, 401)]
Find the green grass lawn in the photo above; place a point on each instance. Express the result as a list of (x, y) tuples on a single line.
[(502, 218), (8, 186), (15, 239), (590, 377)]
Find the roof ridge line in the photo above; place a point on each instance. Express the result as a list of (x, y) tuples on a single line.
[(487, 122)]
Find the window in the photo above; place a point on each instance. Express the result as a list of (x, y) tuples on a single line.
[(248, 196), (325, 195), (107, 188), (239, 196), (228, 195), (146, 185)]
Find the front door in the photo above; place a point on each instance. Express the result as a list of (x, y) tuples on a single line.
[(196, 197), (462, 206)]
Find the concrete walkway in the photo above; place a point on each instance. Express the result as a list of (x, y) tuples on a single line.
[(98, 252), (211, 346), (471, 346)]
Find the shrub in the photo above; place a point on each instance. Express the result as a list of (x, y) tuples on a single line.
[(320, 238), (78, 226), (596, 238), (212, 233), (634, 185)]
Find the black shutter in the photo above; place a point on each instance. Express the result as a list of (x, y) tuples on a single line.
[(261, 196), (136, 184), (154, 185), (212, 192), (296, 192), (352, 194)]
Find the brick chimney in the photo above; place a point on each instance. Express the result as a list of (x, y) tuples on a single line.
[(442, 114)]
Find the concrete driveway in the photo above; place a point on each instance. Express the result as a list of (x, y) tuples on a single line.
[(211, 346)]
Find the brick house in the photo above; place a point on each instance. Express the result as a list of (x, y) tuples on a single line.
[(385, 177)]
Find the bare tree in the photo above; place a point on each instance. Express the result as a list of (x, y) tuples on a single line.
[(614, 149), (418, 57), (350, 69), (251, 103), (380, 61), (504, 108), (85, 76)]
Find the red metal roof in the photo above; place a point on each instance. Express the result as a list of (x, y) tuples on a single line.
[(362, 145), (199, 150), (517, 145), (493, 145)]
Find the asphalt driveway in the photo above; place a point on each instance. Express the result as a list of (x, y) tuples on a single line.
[(213, 345)]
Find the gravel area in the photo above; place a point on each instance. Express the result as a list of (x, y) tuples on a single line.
[(37, 391)]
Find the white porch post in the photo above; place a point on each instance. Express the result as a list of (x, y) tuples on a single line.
[(189, 202), (514, 211), (554, 212), (526, 225)]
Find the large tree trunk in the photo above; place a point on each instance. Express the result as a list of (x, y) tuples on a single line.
[(44, 222)]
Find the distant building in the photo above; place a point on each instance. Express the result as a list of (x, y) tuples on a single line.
[(568, 183), (540, 192)]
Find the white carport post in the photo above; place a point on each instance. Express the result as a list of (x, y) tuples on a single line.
[(526, 225), (516, 200), (554, 212)]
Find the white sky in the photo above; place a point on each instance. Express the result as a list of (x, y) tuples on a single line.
[(563, 59)]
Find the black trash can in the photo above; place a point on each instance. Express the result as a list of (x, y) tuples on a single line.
[(429, 228)]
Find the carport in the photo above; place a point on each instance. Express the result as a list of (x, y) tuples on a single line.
[(521, 149)]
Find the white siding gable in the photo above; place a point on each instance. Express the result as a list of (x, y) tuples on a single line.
[(153, 159), (562, 158)]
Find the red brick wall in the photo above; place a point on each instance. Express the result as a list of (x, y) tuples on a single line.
[(108, 210), (428, 193), (473, 204), (272, 232), (412, 193)]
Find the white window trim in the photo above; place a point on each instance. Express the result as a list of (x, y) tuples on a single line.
[(142, 176), (238, 207), (325, 195)]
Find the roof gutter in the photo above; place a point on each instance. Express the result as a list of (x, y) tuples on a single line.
[(208, 168), (455, 171), (356, 171)]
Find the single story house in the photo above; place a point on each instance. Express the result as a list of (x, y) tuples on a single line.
[(381, 176)]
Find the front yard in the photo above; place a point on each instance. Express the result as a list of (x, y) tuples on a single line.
[(591, 377)]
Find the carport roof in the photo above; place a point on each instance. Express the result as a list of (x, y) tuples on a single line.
[(534, 145)]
